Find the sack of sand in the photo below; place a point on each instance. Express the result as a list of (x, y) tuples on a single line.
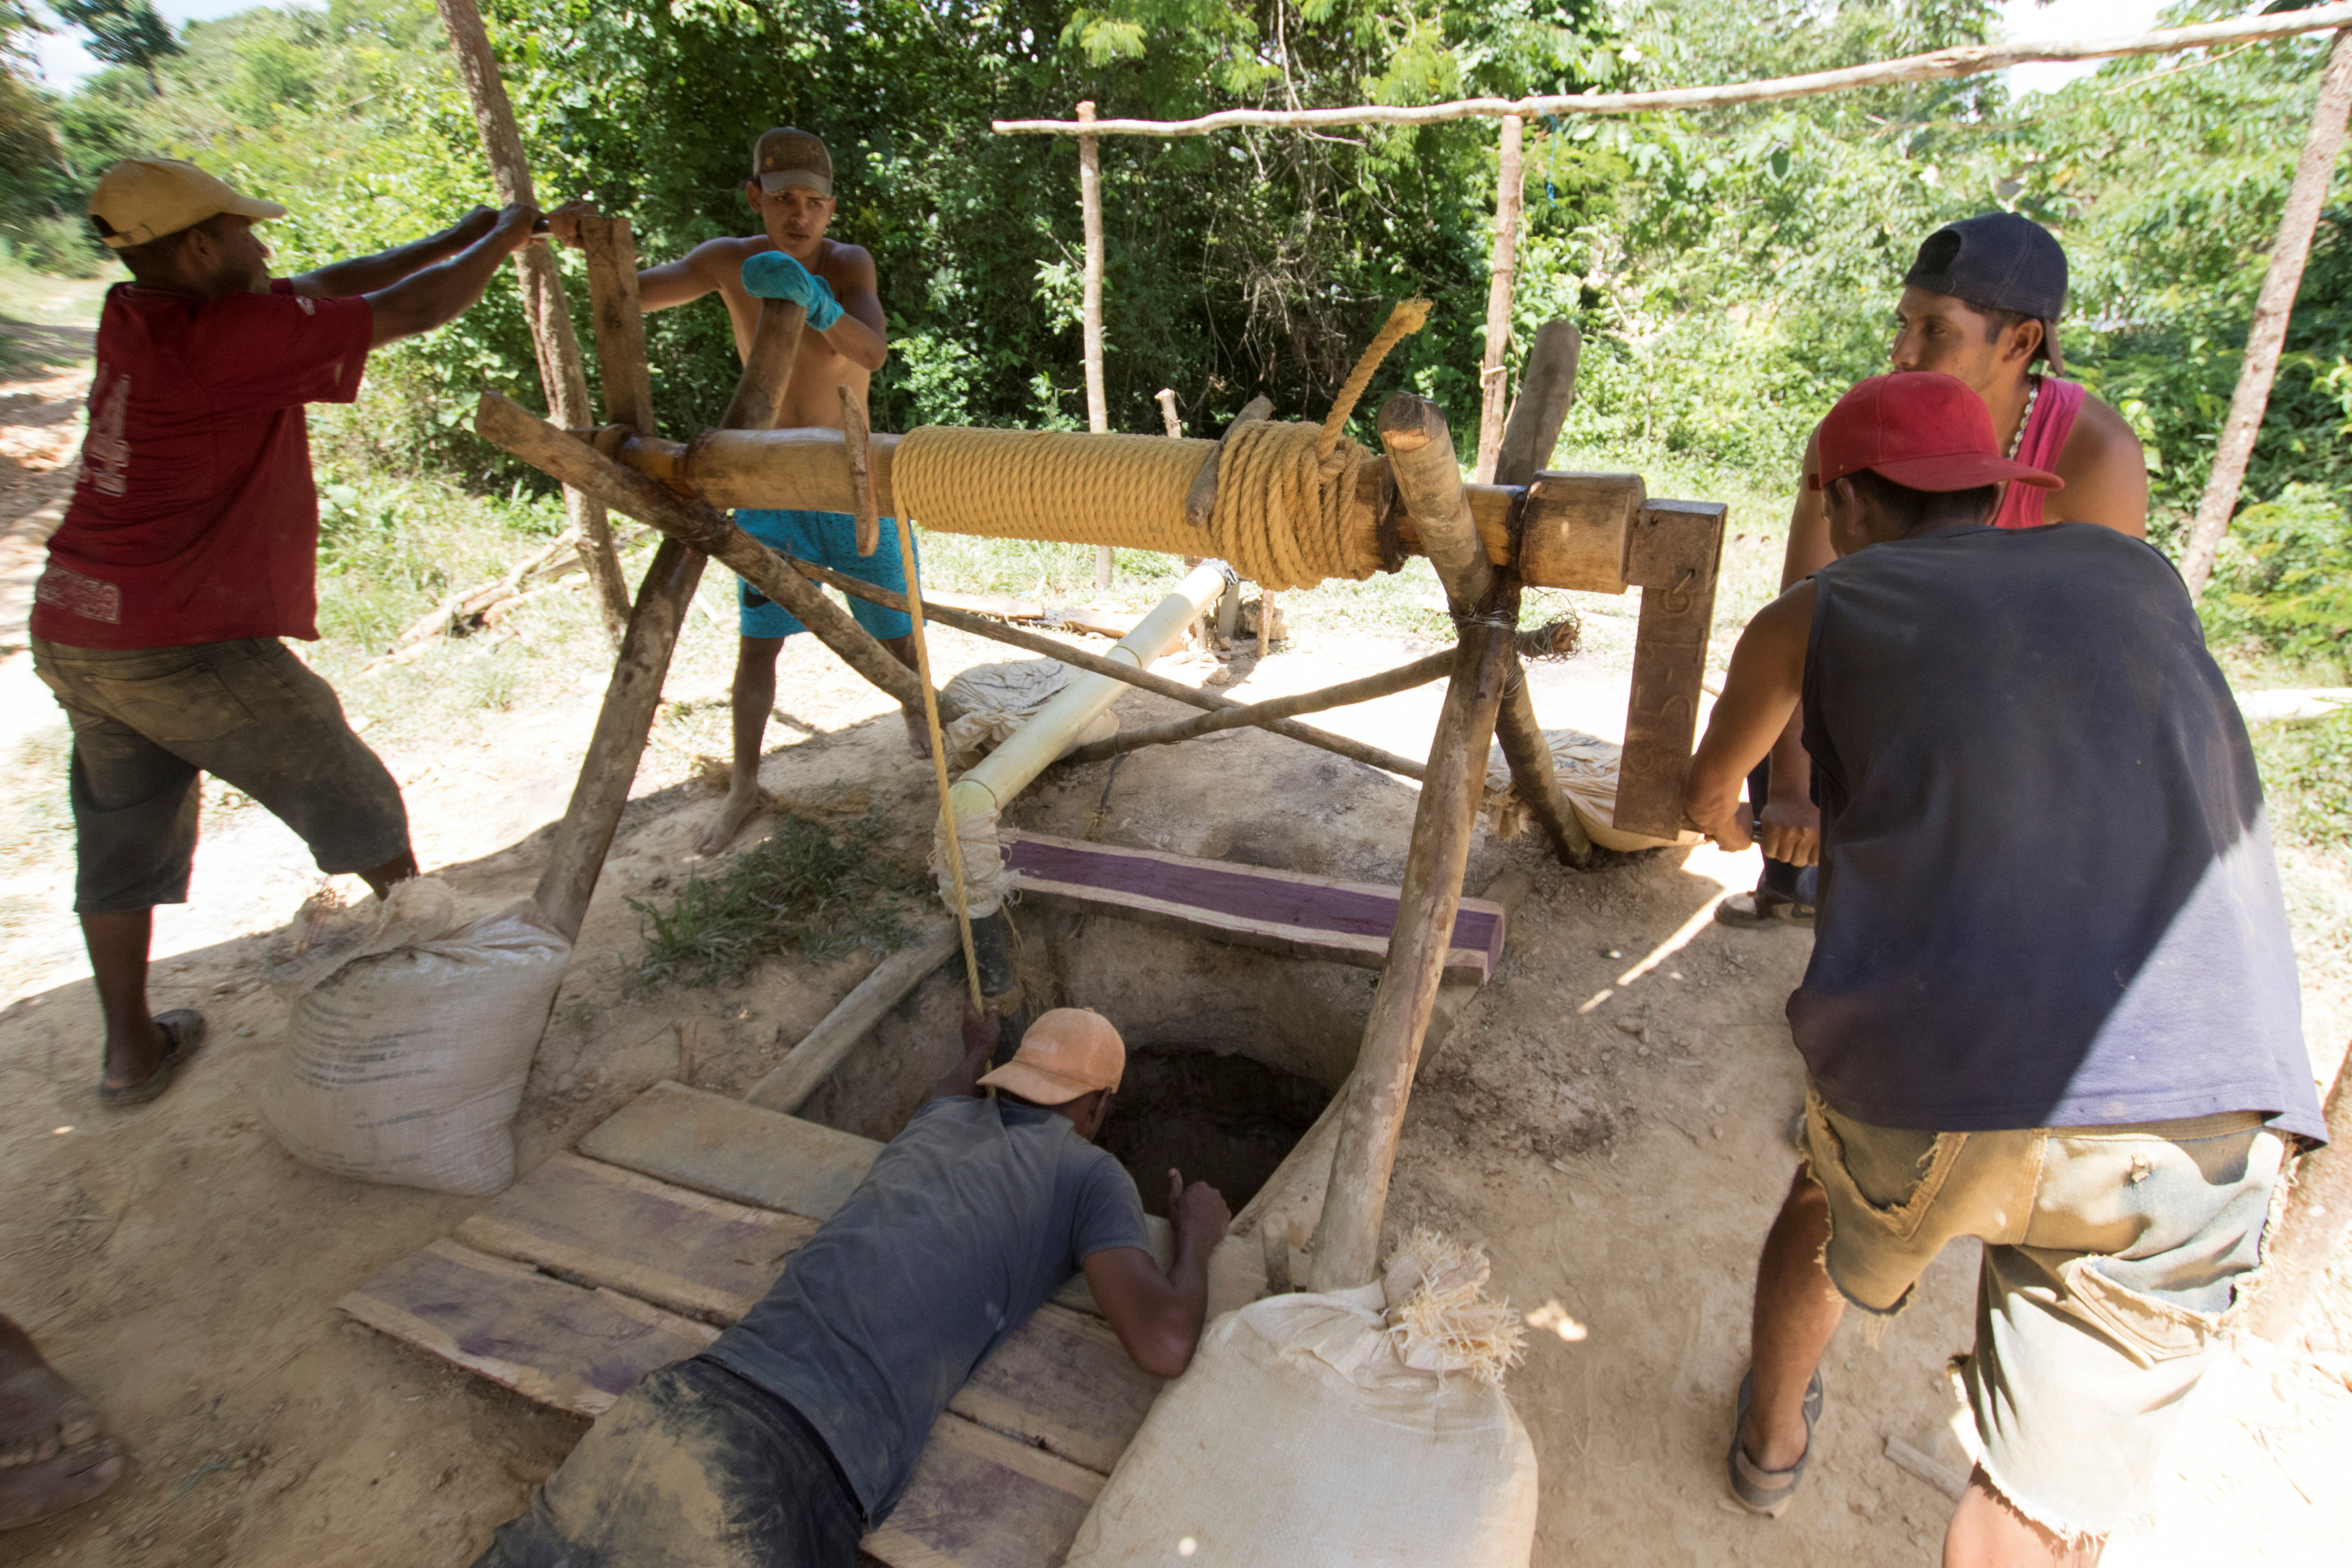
[(1350, 1428), (407, 1048)]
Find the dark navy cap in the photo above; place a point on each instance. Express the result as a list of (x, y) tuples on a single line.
[(1998, 260)]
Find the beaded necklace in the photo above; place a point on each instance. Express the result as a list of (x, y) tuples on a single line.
[(2033, 395)]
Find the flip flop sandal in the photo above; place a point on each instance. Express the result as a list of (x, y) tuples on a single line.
[(184, 1030), (1762, 909), (1760, 1490)]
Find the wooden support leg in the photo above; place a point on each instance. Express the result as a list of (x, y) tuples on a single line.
[(1674, 552), (1421, 457), (621, 726), (505, 425), (1348, 1239)]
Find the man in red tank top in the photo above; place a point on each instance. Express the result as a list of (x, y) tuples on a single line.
[(1981, 302)]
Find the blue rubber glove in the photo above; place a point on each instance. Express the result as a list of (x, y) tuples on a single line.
[(773, 274)]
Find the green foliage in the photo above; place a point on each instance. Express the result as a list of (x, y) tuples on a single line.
[(807, 891), (2284, 576), (2307, 772)]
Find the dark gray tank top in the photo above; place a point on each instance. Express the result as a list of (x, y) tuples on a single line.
[(2047, 893)]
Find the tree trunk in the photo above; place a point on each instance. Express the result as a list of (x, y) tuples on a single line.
[(561, 375), (1492, 401), (2267, 335)]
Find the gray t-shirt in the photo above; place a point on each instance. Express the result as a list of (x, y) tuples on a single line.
[(967, 1222)]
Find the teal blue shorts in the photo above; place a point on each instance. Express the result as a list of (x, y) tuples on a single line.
[(829, 538)]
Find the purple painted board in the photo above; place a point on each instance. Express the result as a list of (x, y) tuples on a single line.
[(575, 1349), (1298, 904)]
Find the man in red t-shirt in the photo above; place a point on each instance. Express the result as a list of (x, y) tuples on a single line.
[(190, 549)]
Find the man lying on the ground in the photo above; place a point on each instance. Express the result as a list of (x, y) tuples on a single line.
[(794, 1433), (191, 547), (845, 342), (1981, 302), (51, 1457), (2053, 1001)]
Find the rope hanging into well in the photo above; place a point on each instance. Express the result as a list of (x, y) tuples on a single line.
[(1285, 490)]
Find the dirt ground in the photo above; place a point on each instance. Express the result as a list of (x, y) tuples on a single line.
[(1608, 1117)]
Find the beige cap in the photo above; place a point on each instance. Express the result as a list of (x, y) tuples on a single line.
[(1068, 1052), (146, 199), (787, 157)]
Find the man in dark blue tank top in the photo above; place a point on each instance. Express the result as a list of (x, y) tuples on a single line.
[(2052, 1002)]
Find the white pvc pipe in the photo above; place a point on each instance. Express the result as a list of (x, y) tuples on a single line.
[(1005, 772)]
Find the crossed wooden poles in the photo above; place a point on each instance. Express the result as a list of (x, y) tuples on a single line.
[(1598, 531)]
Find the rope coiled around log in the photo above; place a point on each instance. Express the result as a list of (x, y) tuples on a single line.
[(1283, 491)]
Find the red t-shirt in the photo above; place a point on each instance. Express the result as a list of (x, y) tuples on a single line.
[(194, 517)]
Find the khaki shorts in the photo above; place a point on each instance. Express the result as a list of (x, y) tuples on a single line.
[(147, 721), (2111, 1254)]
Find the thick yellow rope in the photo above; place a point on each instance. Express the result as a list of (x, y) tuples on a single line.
[(1283, 490)]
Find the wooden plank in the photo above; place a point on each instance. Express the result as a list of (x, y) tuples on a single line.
[(1064, 1383), (978, 1500), (1673, 557), (576, 1349), (729, 1149), (1286, 911), (700, 1256), (807, 1064)]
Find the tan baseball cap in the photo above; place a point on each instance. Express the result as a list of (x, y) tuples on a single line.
[(1068, 1052), (787, 157), (146, 199)]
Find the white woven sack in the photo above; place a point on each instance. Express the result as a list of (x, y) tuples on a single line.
[(405, 1054), (1301, 1438), (998, 699)]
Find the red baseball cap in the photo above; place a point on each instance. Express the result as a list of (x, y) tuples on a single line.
[(1921, 429)]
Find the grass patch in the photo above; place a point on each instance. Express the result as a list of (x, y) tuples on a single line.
[(2307, 776), (807, 891)]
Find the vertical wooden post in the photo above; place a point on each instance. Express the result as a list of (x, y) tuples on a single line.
[(1547, 390), (2318, 1209), (1421, 459), (2267, 333), (619, 321), (1348, 1238), (758, 398), (1090, 212), (561, 375), (1509, 193)]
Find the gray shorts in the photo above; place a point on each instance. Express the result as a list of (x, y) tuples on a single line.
[(147, 721), (694, 1468), (2111, 1255)]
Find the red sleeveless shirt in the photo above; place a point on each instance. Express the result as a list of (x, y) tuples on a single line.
[(2046, 429)]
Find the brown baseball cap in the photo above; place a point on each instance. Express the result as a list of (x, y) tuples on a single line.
[(788, 157), (1068, 1052), (141, 199)]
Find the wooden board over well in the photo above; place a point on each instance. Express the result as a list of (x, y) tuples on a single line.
[(1286, 911)]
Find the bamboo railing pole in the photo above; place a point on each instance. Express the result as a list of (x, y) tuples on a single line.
[(1090, 217), (1405, 677), (2266, 335), (1501, 270), (980, 627), (1938, 66), (1348, 1238), (561, 375)]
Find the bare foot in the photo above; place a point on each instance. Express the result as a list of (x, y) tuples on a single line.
[(737, 809), (67, 1479), (40, 1412), (919, 735)]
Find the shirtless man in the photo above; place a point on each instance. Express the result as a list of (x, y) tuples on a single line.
[(791, 189), (1981, 302)]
